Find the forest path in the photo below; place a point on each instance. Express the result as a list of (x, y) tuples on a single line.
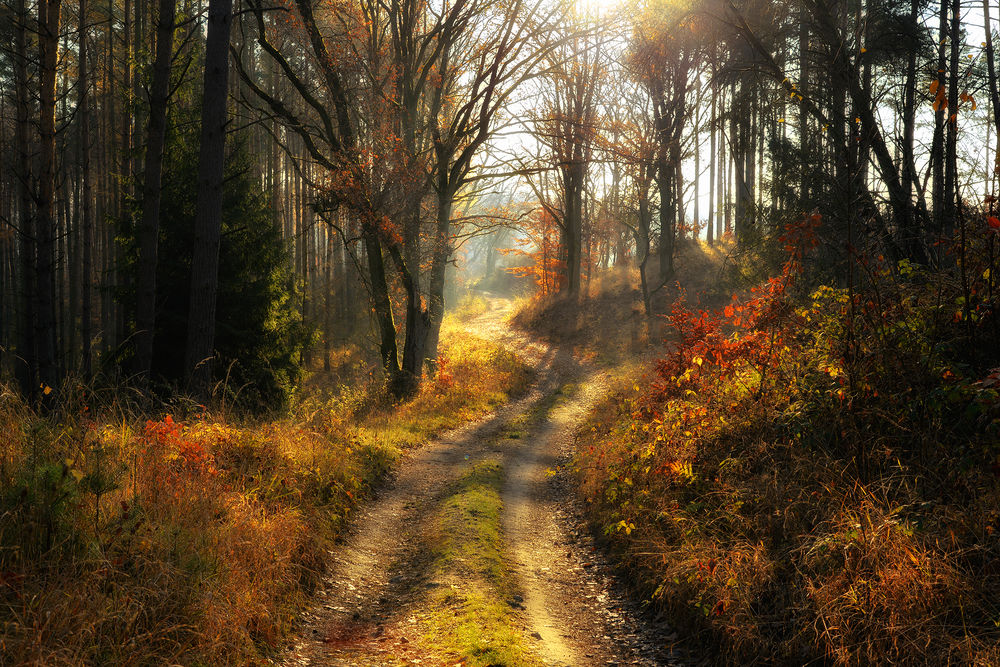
[(476, 553)]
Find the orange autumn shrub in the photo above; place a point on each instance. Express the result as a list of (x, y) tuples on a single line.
[(809, 473)]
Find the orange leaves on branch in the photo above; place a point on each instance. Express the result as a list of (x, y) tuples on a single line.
[(166, 440), (940, 102), (542, 249), (746, 332), (940, 98)]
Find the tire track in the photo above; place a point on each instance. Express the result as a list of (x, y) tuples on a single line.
[(375, 596)]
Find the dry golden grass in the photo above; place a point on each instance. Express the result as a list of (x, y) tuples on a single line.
[(133, 541), (780, 520), (766, 549)]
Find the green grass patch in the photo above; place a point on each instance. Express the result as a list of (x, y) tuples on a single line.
[(519, 426), (471, 618), (468, 308)]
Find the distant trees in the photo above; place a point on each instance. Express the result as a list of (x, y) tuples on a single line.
[(630, 141), (567, 128), (662, 62)]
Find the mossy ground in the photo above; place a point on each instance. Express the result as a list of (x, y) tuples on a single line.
[(472, 615), (472, 612)]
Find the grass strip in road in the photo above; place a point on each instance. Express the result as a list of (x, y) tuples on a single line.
[(472, 615)]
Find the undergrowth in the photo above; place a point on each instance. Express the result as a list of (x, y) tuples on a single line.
[(813, 474), (127, 540), (605, 326), (607, 323)]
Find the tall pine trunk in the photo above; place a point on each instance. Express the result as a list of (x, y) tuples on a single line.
[(45, 326), (697, 166), (27, 350), (149, 227), (720, 178), (991, 70), (937, 140), (712, 158), (87, 222), (208, 216), (950, 194)]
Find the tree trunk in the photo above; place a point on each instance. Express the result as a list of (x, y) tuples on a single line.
[(937, 140), (680, 209), (720, 206), (574, 230), (950, 195), (406, 379), (909, 112), (45, 329), (87, 222), (668, 216), (328, 296), (805, 194), (737, 150), (713, 120), (991, 70), (208, 218), (728, 195), (642, 245), (149, 228), (381, 303), (27, 350), (697, 166), (439, 266)]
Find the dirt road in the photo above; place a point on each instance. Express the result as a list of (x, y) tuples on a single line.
[(475, 553)]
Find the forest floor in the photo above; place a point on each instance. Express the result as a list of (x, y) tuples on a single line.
[(477, 553)]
